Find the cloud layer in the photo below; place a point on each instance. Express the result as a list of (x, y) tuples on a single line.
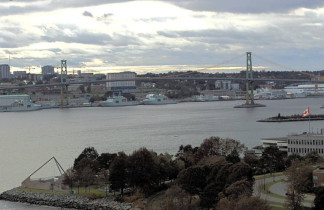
[(97, 33)]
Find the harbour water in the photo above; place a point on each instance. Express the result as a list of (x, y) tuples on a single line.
[(28, 139)]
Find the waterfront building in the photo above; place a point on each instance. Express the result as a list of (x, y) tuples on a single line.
[(222, 94), (302, 144), (5, 71), (280, 142), (265, 93), (124, 86), (309, 89), (47, 70)]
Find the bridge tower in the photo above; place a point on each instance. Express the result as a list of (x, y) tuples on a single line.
[(64, 88), (249, 97)]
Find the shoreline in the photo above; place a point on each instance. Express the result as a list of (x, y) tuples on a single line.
[(63, 200)]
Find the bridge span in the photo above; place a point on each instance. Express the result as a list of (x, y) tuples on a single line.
[(152, 79)]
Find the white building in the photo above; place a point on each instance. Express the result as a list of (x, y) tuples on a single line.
[(125, 86), (265, 93), (4, 71), (309, 89), (305, 143), (300, 144), (280, 142)]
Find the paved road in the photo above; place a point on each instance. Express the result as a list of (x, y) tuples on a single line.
[(278, 188)]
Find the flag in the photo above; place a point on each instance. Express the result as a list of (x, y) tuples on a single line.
[(306, 112)]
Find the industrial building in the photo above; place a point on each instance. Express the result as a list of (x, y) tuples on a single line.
[(123, 86), (262, 93), (309, 89)]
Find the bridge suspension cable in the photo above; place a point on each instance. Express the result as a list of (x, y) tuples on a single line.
[(274, 63), (210, 67)]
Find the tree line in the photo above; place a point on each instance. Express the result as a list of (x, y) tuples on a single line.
[(212, 175)]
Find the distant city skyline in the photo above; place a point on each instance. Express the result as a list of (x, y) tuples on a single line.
[(159, 36)]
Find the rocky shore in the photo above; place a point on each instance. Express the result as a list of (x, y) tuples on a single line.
[(64, 201)]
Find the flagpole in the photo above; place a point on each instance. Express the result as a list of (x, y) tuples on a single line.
[(309, 123), (305, 114)]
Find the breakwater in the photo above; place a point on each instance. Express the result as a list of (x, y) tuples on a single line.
[(292, 118), (63, 200)]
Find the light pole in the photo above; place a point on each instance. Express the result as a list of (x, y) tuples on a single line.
[(264, 173)]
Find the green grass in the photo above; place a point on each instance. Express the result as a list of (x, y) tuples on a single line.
[(258, 177), (277, 205), (90, 192), (42, 191), (269, 193)]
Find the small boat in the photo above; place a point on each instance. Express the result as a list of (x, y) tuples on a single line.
[(17, 103), (118, 101), (157, 99)]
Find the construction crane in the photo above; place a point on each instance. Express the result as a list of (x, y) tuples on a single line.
[(314, 77), (29, 68)]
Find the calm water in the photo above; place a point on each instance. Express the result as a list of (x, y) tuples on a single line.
[(28, 139)]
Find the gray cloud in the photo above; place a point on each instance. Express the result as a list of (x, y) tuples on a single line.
[(52, 5), (14, 36), (81, 37), (88, 14), (280, 37), (234, 6), (244, 6), (168, 34)]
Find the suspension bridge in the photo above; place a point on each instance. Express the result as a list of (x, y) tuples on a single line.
[(249, 79)]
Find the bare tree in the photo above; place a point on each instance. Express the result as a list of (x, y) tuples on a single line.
[(215, 146), (297, 176)]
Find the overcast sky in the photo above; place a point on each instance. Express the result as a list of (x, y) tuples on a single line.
[(118, 33)]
